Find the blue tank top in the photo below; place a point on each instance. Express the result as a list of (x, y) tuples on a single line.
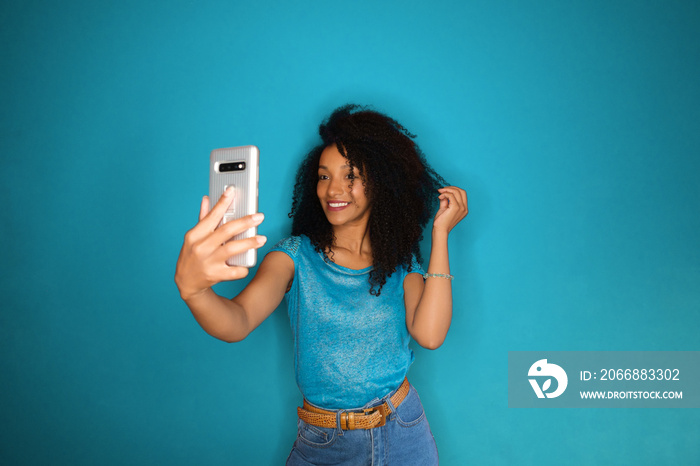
[(350, 347)]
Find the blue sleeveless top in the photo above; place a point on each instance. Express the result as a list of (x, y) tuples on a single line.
[(350, 347)]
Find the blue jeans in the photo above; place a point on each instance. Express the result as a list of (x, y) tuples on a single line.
[(404, 440)]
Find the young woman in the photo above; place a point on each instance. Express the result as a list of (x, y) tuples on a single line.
[(354, 284)]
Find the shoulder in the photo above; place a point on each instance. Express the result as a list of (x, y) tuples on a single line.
[(413, 266), (288, 245), (292, 245)]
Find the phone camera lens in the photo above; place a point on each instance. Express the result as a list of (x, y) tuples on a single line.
[(231, 167)]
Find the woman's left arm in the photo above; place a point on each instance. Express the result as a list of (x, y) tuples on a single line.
[(429, 303)]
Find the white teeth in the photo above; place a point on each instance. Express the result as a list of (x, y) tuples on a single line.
[(338, 204)]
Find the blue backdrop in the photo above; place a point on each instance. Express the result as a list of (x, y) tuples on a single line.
[(572, 125)]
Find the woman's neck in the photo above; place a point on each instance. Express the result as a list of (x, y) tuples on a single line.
[(352, 246)]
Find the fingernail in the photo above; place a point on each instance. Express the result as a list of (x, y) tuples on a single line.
[(258, 217), (261, 239), (229, 191)]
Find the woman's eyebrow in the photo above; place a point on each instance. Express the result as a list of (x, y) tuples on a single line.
[(326, 168)]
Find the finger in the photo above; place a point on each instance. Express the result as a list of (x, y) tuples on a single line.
[(465, 201), (453, 189), (230, 229), (446, 192), (236, 273), (461, 194), (233, 248), (457, 196), (444, 203), (455, 212), (204, 208), (210, 242), (223, 272), (196, 233), (450, 189), (451, 198), (213, 218), (233, 272)]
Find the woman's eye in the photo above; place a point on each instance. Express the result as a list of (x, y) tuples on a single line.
[(351, 176), (322, 177)]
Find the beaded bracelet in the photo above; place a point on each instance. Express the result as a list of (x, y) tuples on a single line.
[(439, 275)]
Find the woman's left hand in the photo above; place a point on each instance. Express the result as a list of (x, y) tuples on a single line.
[(453, 208)]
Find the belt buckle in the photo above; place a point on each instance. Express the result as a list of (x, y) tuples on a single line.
[(382, 408)]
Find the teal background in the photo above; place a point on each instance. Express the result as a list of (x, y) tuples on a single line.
[(572, 125)]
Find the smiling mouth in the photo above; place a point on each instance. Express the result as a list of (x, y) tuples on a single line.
[(336, 206)]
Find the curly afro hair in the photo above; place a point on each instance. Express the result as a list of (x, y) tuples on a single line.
[(401, 187)]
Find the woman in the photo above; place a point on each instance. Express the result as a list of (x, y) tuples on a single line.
[(355, 288)]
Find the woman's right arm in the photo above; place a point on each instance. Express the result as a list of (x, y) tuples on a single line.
[(202, 264)]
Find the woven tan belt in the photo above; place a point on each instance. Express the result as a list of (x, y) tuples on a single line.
[(363, 419)]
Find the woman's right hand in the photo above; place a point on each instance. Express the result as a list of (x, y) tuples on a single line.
[(202, 261)]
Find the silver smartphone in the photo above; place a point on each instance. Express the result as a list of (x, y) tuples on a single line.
[(237, 167)]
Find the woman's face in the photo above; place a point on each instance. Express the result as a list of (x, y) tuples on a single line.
[(340, 190)]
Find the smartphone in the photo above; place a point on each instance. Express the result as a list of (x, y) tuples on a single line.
[(237, 167)]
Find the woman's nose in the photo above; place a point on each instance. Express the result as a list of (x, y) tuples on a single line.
[(336, 187)]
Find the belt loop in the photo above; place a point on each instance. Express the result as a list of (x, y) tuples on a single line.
[(388, 399), (391, 405), (339, 429)]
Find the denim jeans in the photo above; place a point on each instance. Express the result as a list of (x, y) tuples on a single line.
[(404, 440)]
